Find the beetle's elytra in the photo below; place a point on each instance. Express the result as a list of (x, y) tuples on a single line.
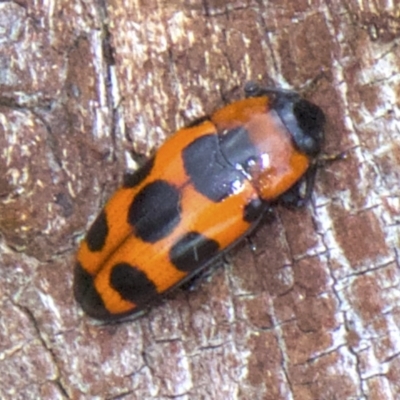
[(205, 188)]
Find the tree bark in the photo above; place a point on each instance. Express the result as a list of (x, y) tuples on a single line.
[(90, 88)]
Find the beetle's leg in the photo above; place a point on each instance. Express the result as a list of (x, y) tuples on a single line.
[(254, 89), (194, 282), (198, 121), (300, 193)]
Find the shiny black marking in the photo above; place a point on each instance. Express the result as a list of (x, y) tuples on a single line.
[(304, 121), (253, 210), (155, 211), (237, 147), (131, 180), (86, 294), (132, 284), (192, 251), (211, 174), (97, 235)]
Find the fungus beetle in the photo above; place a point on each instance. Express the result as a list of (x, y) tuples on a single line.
[(205, 188)]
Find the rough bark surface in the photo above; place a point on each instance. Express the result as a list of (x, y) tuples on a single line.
[(311, 311)]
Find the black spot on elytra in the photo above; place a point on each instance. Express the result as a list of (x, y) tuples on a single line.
[(237, 148), (254, 210), (192, 251), (211, 174), (132, 180), (132, 284), (155, 211), (87, 296), (97, 235)]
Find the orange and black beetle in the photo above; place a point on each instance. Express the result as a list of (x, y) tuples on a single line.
[(204, 189)]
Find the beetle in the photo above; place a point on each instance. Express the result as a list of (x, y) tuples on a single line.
[(206, 188)]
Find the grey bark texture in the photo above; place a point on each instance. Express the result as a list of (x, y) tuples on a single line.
[(311, 310)]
